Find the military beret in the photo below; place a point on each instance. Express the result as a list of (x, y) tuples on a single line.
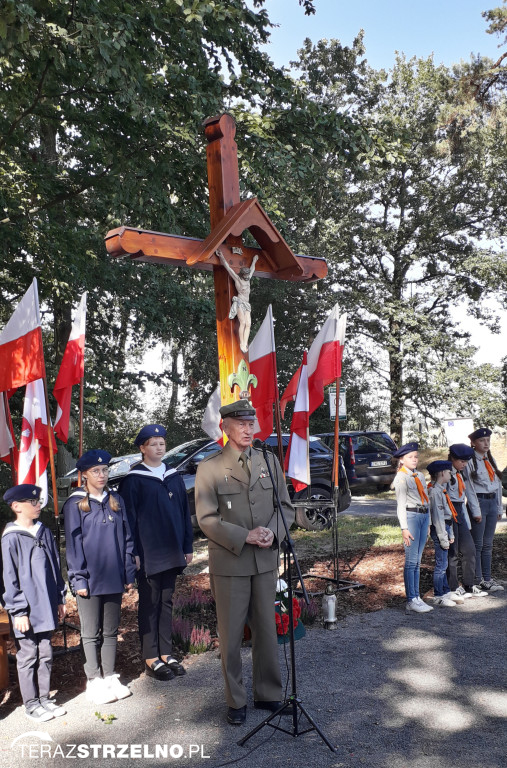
[(482, 432), (438, 466), (407, 448), (241, 409), (93, 458), (461, 451), (150, 430), (22, 492)]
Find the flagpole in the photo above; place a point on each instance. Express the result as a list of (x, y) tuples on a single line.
[(50, 443), (11, 429), (81, 409), (336, 453), (278, 420)]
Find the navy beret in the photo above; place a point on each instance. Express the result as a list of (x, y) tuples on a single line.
[(241, 409), (440, 465), (21, 492), (461, 451), (407, 448), (482, 432), (150, 430), (93, 459)]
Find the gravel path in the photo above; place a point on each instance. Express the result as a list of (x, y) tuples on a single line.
[(389, 690)]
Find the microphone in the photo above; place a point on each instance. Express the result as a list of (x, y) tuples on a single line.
[(259, 445)]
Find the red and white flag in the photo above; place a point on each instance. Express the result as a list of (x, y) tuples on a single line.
[(7, 440), (21, 355), (297, 458), (34, 444), (211, 421), (324, 361), (71, 371), (262, 362)]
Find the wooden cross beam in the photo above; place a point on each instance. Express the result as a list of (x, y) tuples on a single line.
[(229, 218)]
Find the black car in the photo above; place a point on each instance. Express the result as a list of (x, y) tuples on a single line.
[(367, 456)]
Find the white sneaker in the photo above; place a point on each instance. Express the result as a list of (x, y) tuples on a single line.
[(51, 706), (461, 592), (114, 685), (98, 692), (417, 606), (444, 602), (456, 597), (475, 591), (491, 586)]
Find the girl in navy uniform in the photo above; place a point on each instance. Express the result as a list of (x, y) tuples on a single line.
[(486, 479), (100, 564), (464, 498), (157, 508), (34, 598), (413, 513)]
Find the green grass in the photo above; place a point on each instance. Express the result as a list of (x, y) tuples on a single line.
[(353, 533)]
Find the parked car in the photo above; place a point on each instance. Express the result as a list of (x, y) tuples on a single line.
[(185, 459), (367, 456)]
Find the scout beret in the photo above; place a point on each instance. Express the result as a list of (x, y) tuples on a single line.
[(150, 430), (461, 451), (241, 409), (438, 466), (93, 459), (482, 432), (22, 492), (407, 448)]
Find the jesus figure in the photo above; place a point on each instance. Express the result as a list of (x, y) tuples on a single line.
[(241, 307)]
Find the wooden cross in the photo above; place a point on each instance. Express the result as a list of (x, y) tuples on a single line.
[(229, 218)]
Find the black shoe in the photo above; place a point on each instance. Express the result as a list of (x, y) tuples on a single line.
[(273, 706), (159, 670), (236, 716), (176, 668)]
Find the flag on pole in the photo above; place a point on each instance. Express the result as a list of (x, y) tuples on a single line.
[(324, 361), (34, 446), (262, 362), (7, 440), (71, 371), (297, 458), (21, 356), (211, 420)]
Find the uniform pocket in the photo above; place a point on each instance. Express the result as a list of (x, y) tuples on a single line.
[(228, 489)]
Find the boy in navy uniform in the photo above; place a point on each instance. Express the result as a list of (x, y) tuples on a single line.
[(34, 598), (157, 509)]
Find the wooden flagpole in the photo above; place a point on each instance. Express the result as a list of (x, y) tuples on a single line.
[(81, 419), (50, 441), (11, 430)]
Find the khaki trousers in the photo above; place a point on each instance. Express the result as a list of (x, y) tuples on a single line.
[(240, 600)]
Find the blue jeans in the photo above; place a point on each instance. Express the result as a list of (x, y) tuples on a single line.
[(417, 523), (440, 585), (482, 534)]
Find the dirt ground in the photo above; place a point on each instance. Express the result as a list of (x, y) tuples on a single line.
[(379, 571)]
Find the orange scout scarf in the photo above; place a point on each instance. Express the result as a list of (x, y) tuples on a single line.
[(491, 471), (461, 485), (451, 506), (420, 487)]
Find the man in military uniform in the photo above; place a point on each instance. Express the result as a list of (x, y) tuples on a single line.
[(236, 510)]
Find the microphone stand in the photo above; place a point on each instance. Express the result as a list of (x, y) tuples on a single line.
[(293, 703)]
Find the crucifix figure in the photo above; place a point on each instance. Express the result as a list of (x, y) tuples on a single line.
[(229, 218), (241, 306)]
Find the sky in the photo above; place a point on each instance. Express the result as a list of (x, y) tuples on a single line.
[(450, 30)]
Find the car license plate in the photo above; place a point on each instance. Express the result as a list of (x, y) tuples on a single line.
[(378, 464)]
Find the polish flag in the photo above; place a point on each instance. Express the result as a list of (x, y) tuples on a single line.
[(7, 441), (71, 371), (297, 458), (21, 355), (262, 362), (324, 361), (211, 421), (34, 447)]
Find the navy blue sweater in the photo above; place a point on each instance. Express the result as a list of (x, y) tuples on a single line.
[(99, 546), (34, 585), (159, 517)]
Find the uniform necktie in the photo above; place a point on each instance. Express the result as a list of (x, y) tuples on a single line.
[(422, 493), (245, 461), (461, 485)]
